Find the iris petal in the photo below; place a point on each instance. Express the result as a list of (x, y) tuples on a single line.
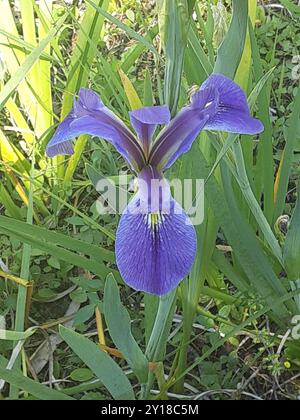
[(233, 113), (178, 136), (154, 191), (145, 121), (90, 116), (154, 252), (220, 105)]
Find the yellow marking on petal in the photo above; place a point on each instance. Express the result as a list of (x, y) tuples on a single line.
[(154, 219)]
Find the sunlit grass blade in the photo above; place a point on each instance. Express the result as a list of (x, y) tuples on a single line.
[(23, 70), (131, 93), (82, 57)]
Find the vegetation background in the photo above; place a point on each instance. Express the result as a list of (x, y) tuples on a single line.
[(69, 328)]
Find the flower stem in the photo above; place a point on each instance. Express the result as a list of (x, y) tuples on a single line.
[(157, 342)]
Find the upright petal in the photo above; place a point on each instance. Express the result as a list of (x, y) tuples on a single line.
[(233, 113), (220, 105), (178, 136), (90, 116), (145, 121), (154, 252)]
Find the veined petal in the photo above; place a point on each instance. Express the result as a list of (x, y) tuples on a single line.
[(178, 136), (233, 113), (154, 191), (145, 121), (220, 105), (154, 252), (90, 116)]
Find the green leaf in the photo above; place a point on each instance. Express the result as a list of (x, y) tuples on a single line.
[(131, 15), (82, 58), (33, 388), (62, 254), (102, 365), (81, 375), (56, 238), (247, 249), (197, 64), (292, 244), (136, 51), (264, 178), (293, 8), (88, 285), (12, 209), (231, 50), (79, 296), (148, 92), (131, 93), (118, 322), (84, 314), (54, 244), (151, 306), (283, 176), (15, 335), (174, 28), (130, 32)]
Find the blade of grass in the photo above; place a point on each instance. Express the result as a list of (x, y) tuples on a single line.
[(82, 57), (130, 32), (284, 171), (25, 274), (264, 177), (18, 381), (55, 238), (174, 32), (23, 70), (89, 264), (103, 366), (231, 50)]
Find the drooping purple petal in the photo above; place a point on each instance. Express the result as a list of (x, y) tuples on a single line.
[(178, 136), (145, 121), (90, 116), (154, 252), (60, 144), (233, 114)]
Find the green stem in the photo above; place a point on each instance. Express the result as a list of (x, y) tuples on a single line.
[(157, 341)]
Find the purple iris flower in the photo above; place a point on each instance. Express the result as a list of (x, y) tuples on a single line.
[(155, 243)]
